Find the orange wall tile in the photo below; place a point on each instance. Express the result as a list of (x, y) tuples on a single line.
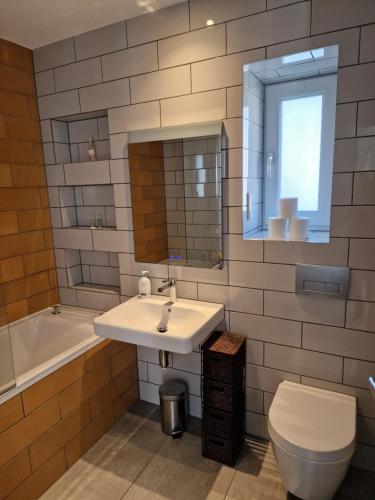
[(25, 237)]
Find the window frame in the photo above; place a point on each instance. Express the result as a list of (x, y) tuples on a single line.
[(274, 95)]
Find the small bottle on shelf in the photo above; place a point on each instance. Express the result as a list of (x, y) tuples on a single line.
[(91, 150), (99, 221)]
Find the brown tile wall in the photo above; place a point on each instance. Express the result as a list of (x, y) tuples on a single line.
[(146, 166), (27, 265), (50, 425)]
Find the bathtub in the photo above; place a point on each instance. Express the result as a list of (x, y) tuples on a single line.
[(43, 342)]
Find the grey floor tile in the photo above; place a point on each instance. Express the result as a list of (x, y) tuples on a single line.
[(108, 469), (179, 472)]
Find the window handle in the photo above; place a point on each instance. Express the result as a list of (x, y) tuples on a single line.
[(270, 159)]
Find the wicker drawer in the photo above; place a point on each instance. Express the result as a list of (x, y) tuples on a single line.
[(222, 450), (218, 395), (222, 423), (223, 368)]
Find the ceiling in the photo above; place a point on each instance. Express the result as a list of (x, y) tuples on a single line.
[(34, 23)]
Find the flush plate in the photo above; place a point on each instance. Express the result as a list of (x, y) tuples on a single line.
[(327, 281)]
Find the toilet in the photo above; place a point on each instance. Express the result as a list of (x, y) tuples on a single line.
[(313, 437)]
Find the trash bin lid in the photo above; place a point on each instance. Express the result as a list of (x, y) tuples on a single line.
[(173, 390)]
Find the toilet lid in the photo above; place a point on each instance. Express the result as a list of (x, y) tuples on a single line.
[(313, 423)]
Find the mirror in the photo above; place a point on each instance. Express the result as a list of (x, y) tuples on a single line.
[(289, 108), (175, 181)]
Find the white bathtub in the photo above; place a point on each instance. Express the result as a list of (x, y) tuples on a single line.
[(42, 342)]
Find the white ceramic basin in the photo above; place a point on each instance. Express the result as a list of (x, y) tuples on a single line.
[(136, 320)]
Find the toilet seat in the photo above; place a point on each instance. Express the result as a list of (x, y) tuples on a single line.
[(313, 423)]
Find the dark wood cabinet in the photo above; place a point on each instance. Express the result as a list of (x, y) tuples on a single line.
[(223, 384)]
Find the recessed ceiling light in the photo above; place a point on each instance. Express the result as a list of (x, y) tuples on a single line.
[(210, 22)]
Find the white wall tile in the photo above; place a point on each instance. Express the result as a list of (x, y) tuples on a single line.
[(61, 104), (77, 75), (355, 221), (362, 285), (256, 424), (113, 241), (49, 153), (346, 118), (122, 195), (354, 155), (55, 175), (191, 47), (105, 95), (236, 248), (234, 298), (366, 118), (312, 364), (267, 379), (222, 10), (129, 62), (87, 173), (68, 296), (60, 131), (45, 83), (83, 130), (207, 106), (46, 130), (357, 372), (160, 84), (119, 145), (304, 308), (342, 187), (355, 83), (55, 54), (338, 14), (160, 24), (119, 171), (149, 392), (364, 188), (188, 362), (233, 130), (128, 265), (225, 71), (101, 41), (340, 341), (73, 238), (367, 43), (254, 352), (334, 253), (254, 400), (235, 102), (360, 315), (215, 276), (361, 254), (124, 219), (136, 116), (269, 27), (263, 328), (262, 276), (97, 300)]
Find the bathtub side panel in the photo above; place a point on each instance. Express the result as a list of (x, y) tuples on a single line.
[(41, 440)]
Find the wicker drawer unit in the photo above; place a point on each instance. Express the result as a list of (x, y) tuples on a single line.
[(223, 357)]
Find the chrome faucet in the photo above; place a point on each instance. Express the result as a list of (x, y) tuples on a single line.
[(171, 284)]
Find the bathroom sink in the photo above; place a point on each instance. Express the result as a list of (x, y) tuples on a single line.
[(136, 321)]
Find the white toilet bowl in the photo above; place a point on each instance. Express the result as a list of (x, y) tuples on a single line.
[(313, 438)]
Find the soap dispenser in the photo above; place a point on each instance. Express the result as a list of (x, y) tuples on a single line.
[(144, 285)]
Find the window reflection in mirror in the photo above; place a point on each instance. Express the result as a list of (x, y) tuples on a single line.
[(289, 112), (176, 201)]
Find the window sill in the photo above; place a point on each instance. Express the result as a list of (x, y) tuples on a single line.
[(314, 237)]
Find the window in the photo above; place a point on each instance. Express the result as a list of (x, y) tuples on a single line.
[(300, 123)]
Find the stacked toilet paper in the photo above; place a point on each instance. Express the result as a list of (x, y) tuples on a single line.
[(287, 220)]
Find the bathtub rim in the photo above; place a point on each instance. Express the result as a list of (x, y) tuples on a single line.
[(23, 382)]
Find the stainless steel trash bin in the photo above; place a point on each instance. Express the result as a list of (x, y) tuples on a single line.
[(173, 407)]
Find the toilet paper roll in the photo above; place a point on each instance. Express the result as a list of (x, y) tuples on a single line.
[(288, 207), (299, 228), (277, 228)]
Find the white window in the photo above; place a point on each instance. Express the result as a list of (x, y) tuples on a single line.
[(299, 141)]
